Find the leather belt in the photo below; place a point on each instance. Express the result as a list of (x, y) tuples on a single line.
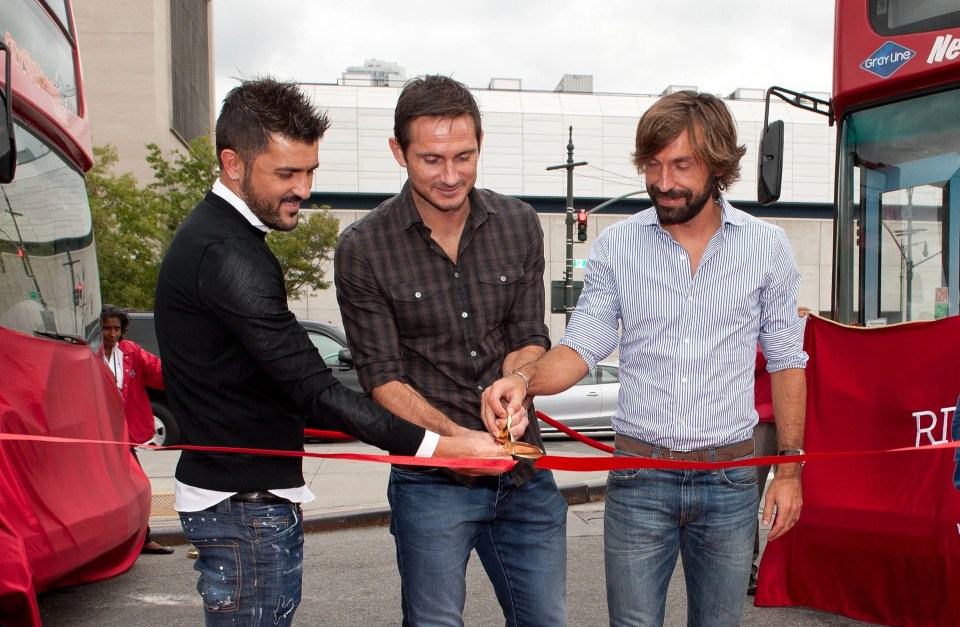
[(725, 453), (257, 497)]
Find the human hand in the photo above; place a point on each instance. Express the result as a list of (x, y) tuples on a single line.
[(784, 495), (502, 399), (469, 443)]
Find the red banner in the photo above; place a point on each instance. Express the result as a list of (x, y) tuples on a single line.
[(879, 536), (68, 514)]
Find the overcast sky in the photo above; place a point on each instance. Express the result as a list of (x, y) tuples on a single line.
[(629, 46)]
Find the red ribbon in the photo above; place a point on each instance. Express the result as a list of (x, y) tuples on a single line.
[(551, 462), (502, 464), (579, 437)]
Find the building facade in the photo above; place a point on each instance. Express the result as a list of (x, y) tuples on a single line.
[(148, 74)]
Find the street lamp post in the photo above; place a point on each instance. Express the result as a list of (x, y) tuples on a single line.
[(568, 273)]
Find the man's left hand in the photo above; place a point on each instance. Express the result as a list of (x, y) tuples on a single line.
[(785, 499)]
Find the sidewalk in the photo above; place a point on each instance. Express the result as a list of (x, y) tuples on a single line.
[(349, 493)]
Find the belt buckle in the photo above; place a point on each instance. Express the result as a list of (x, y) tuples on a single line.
[(679, 453)]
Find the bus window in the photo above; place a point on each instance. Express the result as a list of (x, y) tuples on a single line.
[(900, 189), (48, 267)]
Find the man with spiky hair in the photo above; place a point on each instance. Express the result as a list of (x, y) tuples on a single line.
[(241, 372)]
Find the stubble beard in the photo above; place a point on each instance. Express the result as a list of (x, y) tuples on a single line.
[(451, 207), (267, 212)]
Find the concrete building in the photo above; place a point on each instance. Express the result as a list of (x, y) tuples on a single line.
[(148, 73), (526, 131)]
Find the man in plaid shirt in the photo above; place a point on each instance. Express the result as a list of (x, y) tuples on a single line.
[(441, 291)]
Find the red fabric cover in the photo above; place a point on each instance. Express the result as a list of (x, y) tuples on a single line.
[(69, 513), (877, 538)]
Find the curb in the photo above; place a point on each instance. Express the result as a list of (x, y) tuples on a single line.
[(168, 531)]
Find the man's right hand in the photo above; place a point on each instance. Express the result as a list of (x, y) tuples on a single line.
[(471, 443), (504, 397)]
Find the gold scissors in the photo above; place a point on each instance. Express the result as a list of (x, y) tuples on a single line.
[(515, 448)]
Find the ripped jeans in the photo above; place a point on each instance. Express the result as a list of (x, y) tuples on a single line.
[(250, 563)]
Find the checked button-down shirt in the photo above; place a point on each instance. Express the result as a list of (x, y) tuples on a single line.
[(413, 315)]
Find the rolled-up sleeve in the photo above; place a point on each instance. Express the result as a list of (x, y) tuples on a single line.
[(368, 320), (524, 326), (781, 329)]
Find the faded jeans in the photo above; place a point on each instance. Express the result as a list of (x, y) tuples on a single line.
[(250, 562), (518, 532), (708, 517)]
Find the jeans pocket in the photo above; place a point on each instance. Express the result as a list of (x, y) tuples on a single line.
[(221, 574), (626, 474), (740, 476)]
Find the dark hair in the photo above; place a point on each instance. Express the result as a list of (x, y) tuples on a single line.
[(259, 107), (110, 311), (433, 96), (709, 125)]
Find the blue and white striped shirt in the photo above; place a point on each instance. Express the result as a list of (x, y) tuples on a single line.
[(688, 344)]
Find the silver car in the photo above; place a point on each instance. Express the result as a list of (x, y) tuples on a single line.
[(588, 406)]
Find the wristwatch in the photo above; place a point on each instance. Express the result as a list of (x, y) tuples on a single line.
[(792, 451)]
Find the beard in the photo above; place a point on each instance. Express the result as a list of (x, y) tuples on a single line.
[(684, 213), (268, 212)]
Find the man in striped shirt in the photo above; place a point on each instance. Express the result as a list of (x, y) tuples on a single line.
[(687, 289)]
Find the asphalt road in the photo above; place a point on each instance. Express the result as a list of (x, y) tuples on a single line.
[(350, 577), (350, 580)]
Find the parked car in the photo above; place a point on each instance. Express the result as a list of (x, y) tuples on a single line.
[(586, 407), (330, 340)]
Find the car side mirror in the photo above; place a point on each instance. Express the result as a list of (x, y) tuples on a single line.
[(770, 168), (345, 357)]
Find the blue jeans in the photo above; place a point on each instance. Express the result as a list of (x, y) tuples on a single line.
[(250, 563), (708, 517), (520, 534)]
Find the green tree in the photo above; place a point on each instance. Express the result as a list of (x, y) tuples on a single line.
[(134, 225), (183, 182), (306, 251), (127, 232)]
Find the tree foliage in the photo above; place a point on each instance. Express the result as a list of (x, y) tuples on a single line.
[(317, 232), (128, 233), (134, 224)]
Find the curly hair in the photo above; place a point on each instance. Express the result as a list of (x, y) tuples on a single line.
[(111, 311), (709, 125)]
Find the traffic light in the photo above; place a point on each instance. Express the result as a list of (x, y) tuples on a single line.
[(78, 294), (581, 226)]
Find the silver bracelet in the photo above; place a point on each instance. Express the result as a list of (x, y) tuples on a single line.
[(526, 381)]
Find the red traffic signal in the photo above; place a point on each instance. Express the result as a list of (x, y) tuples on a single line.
[(582, 225)]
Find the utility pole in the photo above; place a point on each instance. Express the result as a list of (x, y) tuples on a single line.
[(568, 273)]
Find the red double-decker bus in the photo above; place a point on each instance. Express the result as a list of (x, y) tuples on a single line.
[(70, 512), (877, 538), (896, 101)]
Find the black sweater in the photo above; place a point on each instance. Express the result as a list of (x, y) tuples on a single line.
[(238, 368)]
